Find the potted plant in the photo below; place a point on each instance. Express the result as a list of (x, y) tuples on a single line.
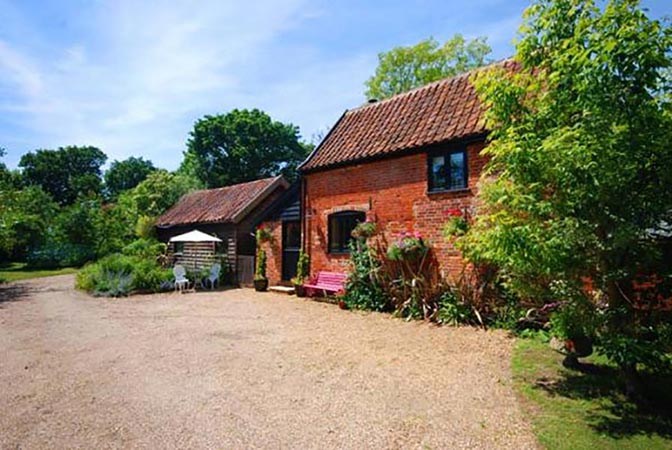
[(302, 271), (260, 280), (572, 326)]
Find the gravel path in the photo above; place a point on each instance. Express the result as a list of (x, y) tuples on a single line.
[(238, 369)]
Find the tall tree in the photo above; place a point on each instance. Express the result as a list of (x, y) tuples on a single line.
[(404, 68), (125, 175), (25, 217), (65, 173), (581, 149), (241, 145)]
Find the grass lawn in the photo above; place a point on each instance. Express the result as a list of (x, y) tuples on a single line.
[(18, 271), (586, 410)]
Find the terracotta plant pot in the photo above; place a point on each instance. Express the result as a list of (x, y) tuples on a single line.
[(261, 285), (342, 304), (300, 290)]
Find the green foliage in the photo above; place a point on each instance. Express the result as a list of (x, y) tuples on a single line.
[(362, 288), (72, 237), (580, 146), (144, 227), (365, 230), (137, 268), (408, 247), (24, 220), (302, 268), (453, 311), (260, 268), (66, 173), (125, 175), (242, 145), (263, 235), (136, 210), (404, 68), (456, 226), (149, 249), (158, 192)]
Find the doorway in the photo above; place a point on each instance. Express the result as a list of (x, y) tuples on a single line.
[(291, 245)]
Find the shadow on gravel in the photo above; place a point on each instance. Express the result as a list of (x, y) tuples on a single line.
[(13, 293)]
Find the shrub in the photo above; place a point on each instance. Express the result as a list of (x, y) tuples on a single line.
[(302, 268), (145, 248), (118, 274), (362, 288), (56, 254), (260, 269), (148, 276), (114, 284), (452, 310)]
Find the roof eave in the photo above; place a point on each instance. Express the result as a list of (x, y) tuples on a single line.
[(398, 153), (278, 182)]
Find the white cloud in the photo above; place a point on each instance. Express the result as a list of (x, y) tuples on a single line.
[(19, 72), (133, 76)]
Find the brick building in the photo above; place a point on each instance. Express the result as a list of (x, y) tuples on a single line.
[(401, 162)]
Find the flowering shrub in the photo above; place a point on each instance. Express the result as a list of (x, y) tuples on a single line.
[(456, 225), (365, 230), (408, 247)]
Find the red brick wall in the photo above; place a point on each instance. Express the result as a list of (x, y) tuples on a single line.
[(274, 252), (392, 192)]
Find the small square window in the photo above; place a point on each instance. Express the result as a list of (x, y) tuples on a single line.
[(341, 225), (447, 170)]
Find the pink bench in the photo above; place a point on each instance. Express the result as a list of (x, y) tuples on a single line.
[(327, 282)]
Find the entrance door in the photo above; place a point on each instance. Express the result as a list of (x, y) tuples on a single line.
[(291, 244)]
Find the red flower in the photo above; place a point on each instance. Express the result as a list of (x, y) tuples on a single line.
[(453, 212)]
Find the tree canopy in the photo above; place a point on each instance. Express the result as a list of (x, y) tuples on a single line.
[(404, 68), (125, 175), (242, 145), (581, 152), (65, 173)]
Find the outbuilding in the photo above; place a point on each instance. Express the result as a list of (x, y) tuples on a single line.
[(228, 213)]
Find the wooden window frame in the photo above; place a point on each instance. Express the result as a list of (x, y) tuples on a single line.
[(446, 153), (343, 248)]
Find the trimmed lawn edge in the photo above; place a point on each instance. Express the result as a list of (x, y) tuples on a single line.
[(575, 410)]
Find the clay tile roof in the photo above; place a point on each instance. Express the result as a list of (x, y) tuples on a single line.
[(442, 111), (221, 205)]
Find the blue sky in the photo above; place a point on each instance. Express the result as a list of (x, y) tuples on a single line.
[(131, 77)]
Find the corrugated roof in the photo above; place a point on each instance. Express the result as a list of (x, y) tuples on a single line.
[(442, 111), (221, 205)]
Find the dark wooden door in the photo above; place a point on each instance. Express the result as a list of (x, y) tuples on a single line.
[(291, 244)]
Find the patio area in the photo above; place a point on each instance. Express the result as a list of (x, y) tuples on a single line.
[(240, 369)]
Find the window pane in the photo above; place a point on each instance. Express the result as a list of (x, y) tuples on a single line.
[(291, 235), (340, 229), (334, 234), (457, 171), (438, 175)]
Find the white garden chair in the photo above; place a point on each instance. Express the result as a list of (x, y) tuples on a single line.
[(213, 278), (181, 280)]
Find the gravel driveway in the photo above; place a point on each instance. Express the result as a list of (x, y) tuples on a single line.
[(238, 369)]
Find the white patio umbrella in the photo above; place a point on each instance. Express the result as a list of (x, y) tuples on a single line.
[(195, 236)]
